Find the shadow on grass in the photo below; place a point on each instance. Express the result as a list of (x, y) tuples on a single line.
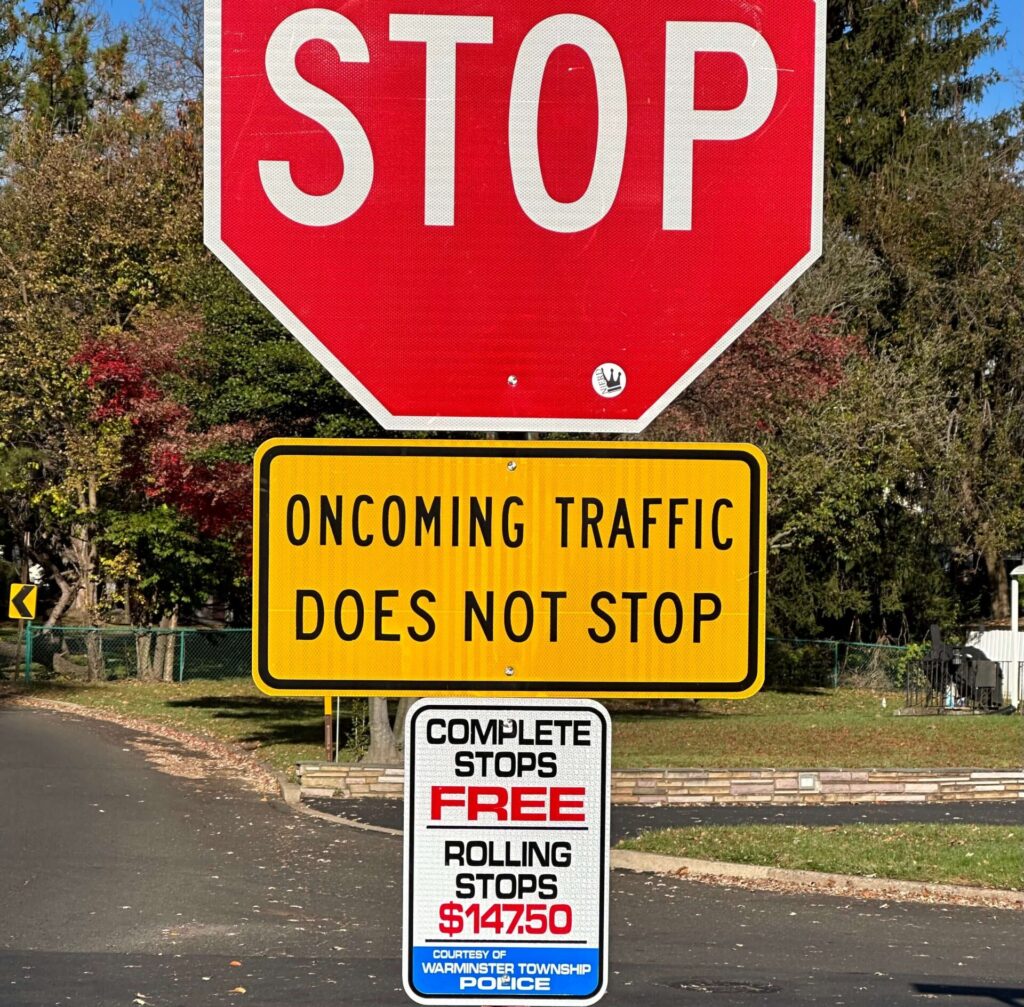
[(272, 707), (653, 709), (694, 709), (280, 723)]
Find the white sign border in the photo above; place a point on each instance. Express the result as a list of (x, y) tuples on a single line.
[(512, 424), (408, 841)]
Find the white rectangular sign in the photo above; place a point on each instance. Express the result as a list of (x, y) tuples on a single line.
[(506, 852)]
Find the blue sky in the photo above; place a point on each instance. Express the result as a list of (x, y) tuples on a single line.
[(1010, 61)]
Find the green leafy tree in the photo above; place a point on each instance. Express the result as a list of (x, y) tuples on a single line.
[(164, 566), (950, 221), (85, 246), (904, 472)]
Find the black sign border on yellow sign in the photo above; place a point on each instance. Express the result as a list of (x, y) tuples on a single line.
[(441, 449)]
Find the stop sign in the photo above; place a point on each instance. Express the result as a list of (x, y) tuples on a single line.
[(515, 217)]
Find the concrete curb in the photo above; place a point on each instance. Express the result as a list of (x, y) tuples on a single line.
[(813, 881), (291, 792), (349, 823)]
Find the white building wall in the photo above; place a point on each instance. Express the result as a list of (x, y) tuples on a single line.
[(995, 643)]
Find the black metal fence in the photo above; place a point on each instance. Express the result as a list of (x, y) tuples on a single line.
[(961, 684), (185, 654)]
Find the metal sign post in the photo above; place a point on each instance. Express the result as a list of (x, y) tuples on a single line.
[(22, 607), (506, 852)]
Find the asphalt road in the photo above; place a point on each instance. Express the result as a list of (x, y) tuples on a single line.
[(631, 820), (123, 885)]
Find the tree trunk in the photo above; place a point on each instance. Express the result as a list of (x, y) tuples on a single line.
[(144, 656), (403, 711), (999, 584), (67, 596), (160, 651), (171, 649), (383, 746), (78, 553), (85, 555), (94, 655)]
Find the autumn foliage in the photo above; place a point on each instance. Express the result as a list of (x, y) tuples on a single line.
[(781, 365), (205, 475)]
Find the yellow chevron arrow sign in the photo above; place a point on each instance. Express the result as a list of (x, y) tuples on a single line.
[(23, 601)]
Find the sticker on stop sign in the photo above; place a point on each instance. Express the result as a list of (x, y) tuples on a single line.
[(467, 214)]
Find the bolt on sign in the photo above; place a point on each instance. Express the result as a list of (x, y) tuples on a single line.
[(530, 216), (506, 852), (509, 568)]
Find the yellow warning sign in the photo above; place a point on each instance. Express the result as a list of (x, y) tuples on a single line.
[(23, 601), (520, 568)]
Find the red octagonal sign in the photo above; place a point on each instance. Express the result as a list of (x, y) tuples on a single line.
[(538, 216)]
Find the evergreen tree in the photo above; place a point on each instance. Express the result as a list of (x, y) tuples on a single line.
[(950, 223), (65, 76), (11, 63), (895, 69), (57, 85)]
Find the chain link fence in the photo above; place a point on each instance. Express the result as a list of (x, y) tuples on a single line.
[(154, 655), (109, 653), (837, 664), (179, 655)]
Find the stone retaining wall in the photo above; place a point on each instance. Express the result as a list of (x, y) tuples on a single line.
[(726, 786), (329, 780)]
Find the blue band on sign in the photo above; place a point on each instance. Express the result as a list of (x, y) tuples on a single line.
[(463, 971)]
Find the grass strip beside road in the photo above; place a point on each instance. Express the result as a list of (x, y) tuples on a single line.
[(806, 730), (985, 856)]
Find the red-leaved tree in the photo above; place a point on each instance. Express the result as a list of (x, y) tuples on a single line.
[(783, 364), (184, 494)]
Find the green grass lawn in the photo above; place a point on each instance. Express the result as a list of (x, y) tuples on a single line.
[(987, 856), (785, 730), (807, 730)]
